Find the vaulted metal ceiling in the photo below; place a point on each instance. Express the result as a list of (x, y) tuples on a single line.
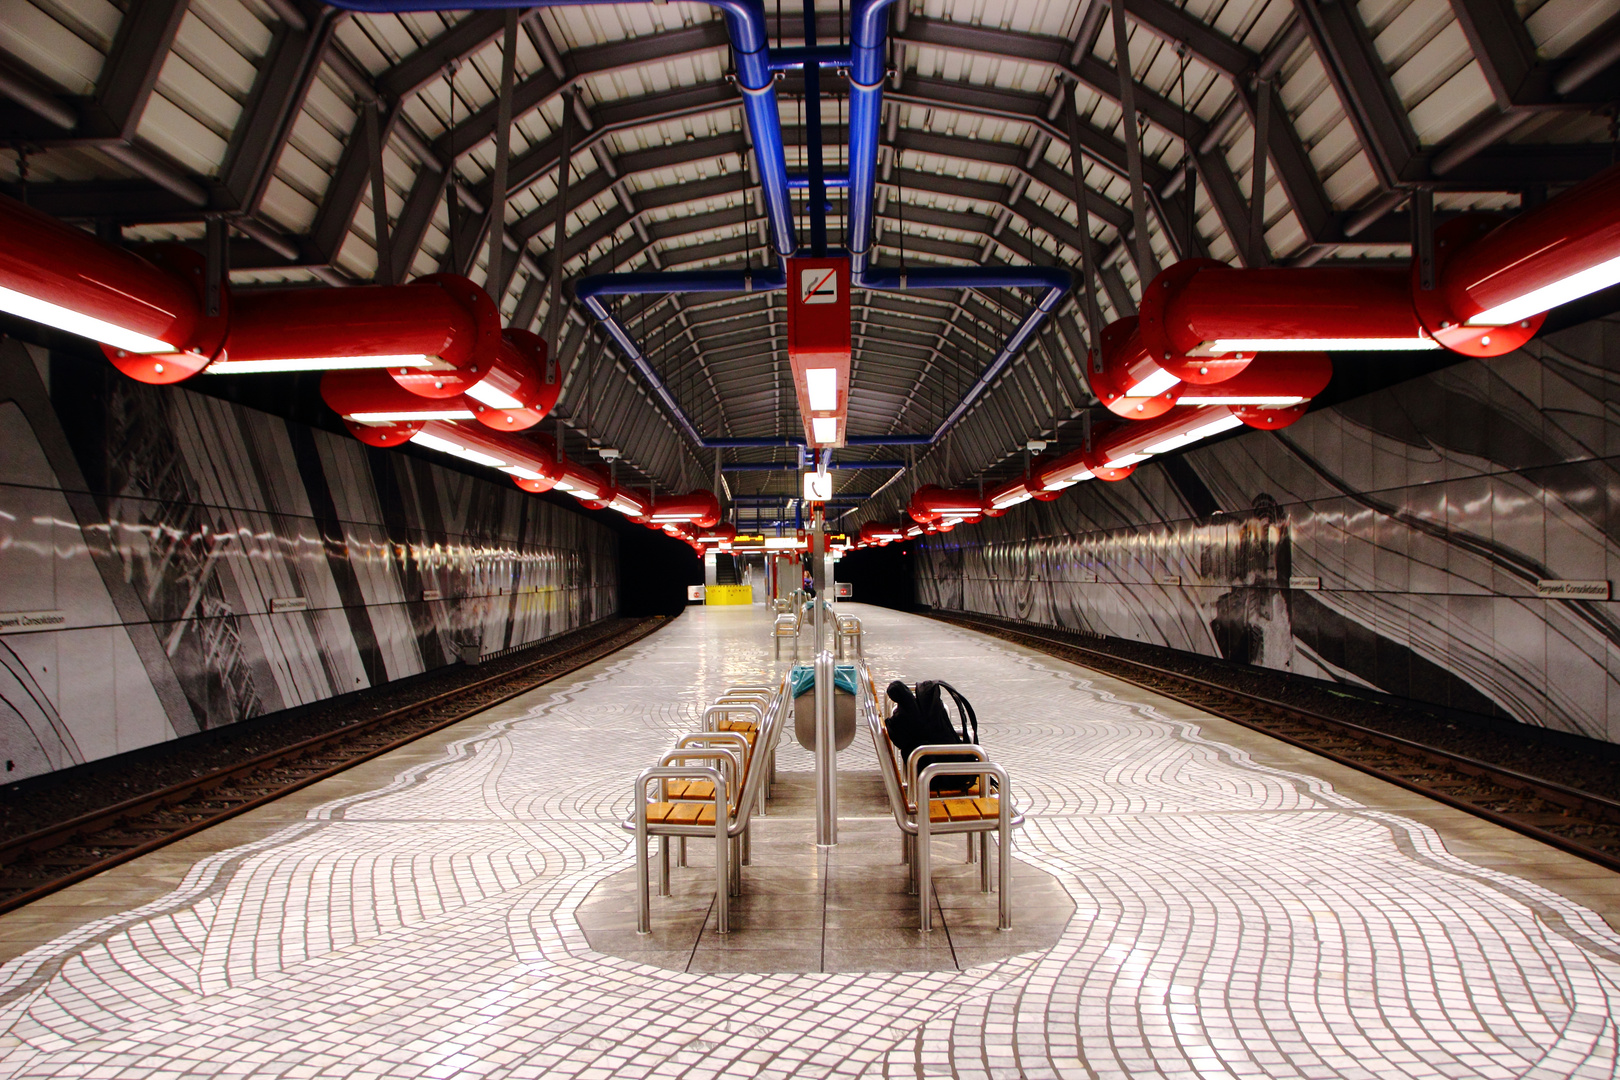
[(143, 121)]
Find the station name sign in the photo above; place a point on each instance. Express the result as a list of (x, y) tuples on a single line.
[(12, 622), (1573, 590)]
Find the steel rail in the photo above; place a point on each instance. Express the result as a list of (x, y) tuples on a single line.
[(1597, 809), (96, 821)]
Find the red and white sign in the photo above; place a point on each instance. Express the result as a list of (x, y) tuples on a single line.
[(819, 345)]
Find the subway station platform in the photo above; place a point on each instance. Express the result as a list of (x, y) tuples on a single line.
[(1191, 900)]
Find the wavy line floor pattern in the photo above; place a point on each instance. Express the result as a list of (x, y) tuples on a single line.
[(1232, 920)]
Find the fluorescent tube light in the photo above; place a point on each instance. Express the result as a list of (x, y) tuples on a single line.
[(411, 414), (1154, 385), (1128, 459), (1061, 484), (824, 428), (228, 366), (445, 446), (1011, 500), (562, 485), (1203, 431), (1535, 302), (626, 507), (1376, 344), (657, 518), (780, 543), (1253, 399), (43, 311), (821, 383), (521, 473), (495, 399)]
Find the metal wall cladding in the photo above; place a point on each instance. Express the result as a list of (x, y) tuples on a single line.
[(1396, 542), (171, 562)]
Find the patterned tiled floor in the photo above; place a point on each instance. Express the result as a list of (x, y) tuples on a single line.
[(1233, 917)]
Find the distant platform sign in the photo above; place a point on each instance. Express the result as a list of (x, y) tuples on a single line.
[(729, 594), (1304, 583), (846, 590), (1573, 590), (695, 592), (279, 604)]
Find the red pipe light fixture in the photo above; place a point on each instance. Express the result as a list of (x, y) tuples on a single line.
[(1493, 286), (699, 507), (519, 459), (513, 394), (370, 398), (932, 503), (1125, 378), (629, 503), (1270, 381), (585, 484), (1203, 322), (435, 336), (147, 313), (819, 345)]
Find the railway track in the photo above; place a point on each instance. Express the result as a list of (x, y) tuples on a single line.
[(1575, 821), (52, 858)]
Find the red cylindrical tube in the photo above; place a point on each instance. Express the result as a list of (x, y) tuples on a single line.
[(61, 276), (1203, 322), (434, 336)]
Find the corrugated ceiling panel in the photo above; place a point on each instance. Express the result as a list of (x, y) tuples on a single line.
[(65, 49)]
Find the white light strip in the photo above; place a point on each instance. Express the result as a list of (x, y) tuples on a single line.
[(562, 485), (1061, 484), (779, 543), (317, 363), (957, 511), (626, 507), (1573, 287), (521, 473), (1375, 344), (1154, 385), (1204, 431), (821, 384), (1127, 460), (495, 399), (43, 311), (824, 429), (1252, 399), (658, 518), (415, 414), (1011, 500), (445, 446)]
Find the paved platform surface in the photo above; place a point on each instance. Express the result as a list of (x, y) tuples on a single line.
[(1241, 909)]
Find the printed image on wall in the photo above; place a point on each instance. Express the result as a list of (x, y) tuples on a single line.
[(171, 562), (1450, 539)]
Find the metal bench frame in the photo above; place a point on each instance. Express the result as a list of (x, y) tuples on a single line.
[(914, 818), (732, 816)]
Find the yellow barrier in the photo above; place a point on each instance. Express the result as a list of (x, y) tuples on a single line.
[(729, 594)]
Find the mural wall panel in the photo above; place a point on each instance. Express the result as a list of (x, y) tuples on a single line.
[(171, 562), (1398, 541)]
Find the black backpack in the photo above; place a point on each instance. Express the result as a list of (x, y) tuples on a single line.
[(921, 719)]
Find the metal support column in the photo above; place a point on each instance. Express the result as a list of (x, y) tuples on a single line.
[(826, 754)]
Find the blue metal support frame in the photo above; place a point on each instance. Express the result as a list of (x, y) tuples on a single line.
[(756, 66)]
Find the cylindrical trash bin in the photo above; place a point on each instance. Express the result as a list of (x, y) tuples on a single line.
[(803, 687)]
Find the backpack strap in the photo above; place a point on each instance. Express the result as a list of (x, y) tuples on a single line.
[(965, 707)]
